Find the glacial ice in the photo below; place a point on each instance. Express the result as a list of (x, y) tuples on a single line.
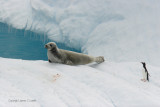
[(119, 30)]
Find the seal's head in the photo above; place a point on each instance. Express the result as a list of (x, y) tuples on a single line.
[(51, 46)]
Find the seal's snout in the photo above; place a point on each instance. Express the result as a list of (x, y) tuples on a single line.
[(46, 46)]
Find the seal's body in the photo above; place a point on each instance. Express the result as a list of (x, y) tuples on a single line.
[(145, 72), (68, 57)]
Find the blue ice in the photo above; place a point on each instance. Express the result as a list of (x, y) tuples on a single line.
[(22, 44)]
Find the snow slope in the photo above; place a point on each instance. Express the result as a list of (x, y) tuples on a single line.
[(120, 30), (109, 84)]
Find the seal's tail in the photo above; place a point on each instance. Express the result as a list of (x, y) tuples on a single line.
[(99, 59)]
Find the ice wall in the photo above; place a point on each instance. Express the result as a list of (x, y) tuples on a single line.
[(120, 30), (24, 44)]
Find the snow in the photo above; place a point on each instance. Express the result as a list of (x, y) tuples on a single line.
[(124, 32), (47, 84), (119, 30)]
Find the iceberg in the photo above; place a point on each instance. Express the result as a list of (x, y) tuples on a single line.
[(119, 30), (124, 32)]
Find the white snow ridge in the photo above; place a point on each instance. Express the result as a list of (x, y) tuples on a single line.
[(124, 32)]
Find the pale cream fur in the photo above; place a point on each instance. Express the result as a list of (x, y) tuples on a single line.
[(70, 57)]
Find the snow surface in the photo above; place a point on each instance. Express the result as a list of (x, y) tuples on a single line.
[(55, 85), (120, 30)]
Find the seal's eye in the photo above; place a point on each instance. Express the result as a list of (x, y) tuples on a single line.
[(50, 45)]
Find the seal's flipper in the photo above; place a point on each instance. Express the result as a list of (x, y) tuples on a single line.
[(99, 59)]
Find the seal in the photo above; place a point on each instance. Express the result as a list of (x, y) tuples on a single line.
[(56, 55)]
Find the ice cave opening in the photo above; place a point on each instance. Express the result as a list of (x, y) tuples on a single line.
[(24, 44)]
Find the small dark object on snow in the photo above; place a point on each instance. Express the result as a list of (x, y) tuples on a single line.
[(145, 73)]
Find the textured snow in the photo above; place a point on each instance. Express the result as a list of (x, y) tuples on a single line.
[(104, 85), (119, 30)]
